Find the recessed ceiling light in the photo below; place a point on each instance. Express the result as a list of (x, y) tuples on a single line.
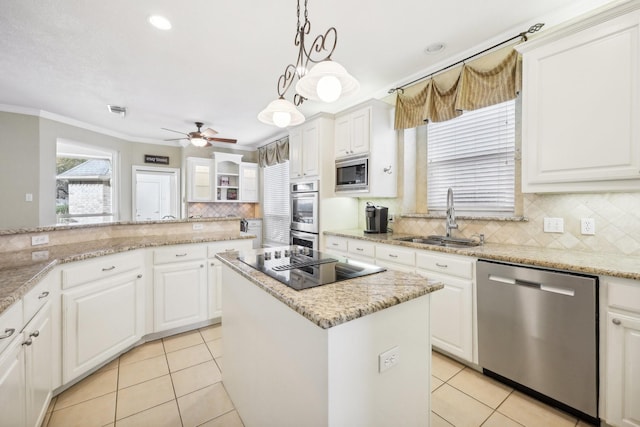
[(160, 22), (434, 48)]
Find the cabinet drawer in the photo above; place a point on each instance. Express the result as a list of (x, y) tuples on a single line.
[(334, 243), (624, 294), (395, 254), (445, 264), (362, 248), (229, 246), (10, 325), (36, 298), (179, 254), (99, 268)]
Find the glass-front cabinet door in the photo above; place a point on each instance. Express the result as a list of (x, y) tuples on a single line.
[(200, 179)]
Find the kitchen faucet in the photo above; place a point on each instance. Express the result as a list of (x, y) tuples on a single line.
[(451, 213)]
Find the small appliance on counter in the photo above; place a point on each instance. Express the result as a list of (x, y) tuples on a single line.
[(376, 219)]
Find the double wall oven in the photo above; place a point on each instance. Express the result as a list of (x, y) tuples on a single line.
[(304, 214)]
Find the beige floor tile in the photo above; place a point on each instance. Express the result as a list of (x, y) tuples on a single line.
[(219, 362), (480, 387), (142, 352), (184, 340), (96, 384), (458, 408), (204, 405), (111, 365), (165, 415), (195, 377), (143, 396), (144, 370), (189, 356), (95, 412), (435, 383), (230, 419), (530, 412), (438, 421), (211, 333), (498, 420), (444, 367), (215, 347)]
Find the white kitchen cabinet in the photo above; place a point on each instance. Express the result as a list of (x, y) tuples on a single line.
[(103, 311), (38, 347), (395, 258), (336, 245), (249, 185), (361, 250), (353, 132), (227, 177), (12, 383), (179, 286), (581, 101), (622, 376), (452, 311), (200, 179), (308, 145), (214, 272)]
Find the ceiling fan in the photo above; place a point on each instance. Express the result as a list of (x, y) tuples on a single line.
[(199, 138)]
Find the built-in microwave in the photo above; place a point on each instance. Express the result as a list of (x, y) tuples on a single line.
[(352, 173)]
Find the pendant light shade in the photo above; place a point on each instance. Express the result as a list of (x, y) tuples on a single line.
[(327, 81), (281, 113)]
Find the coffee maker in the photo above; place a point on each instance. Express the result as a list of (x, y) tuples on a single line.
[(376, 219)]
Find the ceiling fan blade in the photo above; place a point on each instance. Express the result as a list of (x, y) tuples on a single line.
[(176, 131), (175, 139), (208, 132), (230, 141)]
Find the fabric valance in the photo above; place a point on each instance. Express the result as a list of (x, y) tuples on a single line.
[(274, 153), (474, 86)]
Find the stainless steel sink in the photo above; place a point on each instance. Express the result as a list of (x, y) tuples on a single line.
[(437, 240)]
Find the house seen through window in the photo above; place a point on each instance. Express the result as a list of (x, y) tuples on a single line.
[(474, 155), (84, 185)]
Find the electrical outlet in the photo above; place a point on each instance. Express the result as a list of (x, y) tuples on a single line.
[(197, 226), (388, 359), (391, 218), (554, 225), (588, 226), (39, 255), (42, 239)]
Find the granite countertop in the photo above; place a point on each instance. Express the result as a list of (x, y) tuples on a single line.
[(19, 272), (596, 263), (336, 303)]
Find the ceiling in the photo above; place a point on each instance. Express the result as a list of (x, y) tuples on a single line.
[(220, 62)]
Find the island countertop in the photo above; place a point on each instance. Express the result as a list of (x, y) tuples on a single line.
[(336, 303)]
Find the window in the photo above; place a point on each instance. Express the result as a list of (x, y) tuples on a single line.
[(276, 211), (474, 155), (84, 185)]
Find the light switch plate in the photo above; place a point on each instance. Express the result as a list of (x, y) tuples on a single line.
[(42, 239), (554, 225)]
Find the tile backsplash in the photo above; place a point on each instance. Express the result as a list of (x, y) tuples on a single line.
[(616, 215), (210, 210)]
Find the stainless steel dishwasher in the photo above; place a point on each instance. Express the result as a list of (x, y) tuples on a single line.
[(539, 329)]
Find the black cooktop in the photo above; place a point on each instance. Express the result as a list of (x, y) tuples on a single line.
[(302, 268)]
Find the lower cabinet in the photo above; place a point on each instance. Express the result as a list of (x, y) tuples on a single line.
[(38, 346), (179, 286), (103, 311), (12, 384), (214, 272), (623, 353)]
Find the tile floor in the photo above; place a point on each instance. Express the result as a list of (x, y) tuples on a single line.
[(176, 381)]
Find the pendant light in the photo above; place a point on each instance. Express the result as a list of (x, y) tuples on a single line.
[(327, 81)]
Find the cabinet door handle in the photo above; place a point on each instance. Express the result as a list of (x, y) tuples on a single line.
[(361, 249), (616, 321), (139, 276), (28, 342), (35, 334), (181, 255), (213, 264), (229, 250), (43, 295), (334, 244), (109, 268), (201, 265), (7, 333), (442, 265), (393, 256)]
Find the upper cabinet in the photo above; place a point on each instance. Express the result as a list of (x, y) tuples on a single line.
[(308, 145), (368, 129), (581, 103), (225, 178), (353, 132)]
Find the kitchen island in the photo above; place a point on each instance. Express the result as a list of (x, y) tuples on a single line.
[(351, 353)]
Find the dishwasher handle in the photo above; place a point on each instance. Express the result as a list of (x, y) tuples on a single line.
[(545, 288)]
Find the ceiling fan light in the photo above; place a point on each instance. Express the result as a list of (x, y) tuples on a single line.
[(278, 111), (199, 142), (308, 86), (160, 22)]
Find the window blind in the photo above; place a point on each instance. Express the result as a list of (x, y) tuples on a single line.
[(276, 210), (474, 155)]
